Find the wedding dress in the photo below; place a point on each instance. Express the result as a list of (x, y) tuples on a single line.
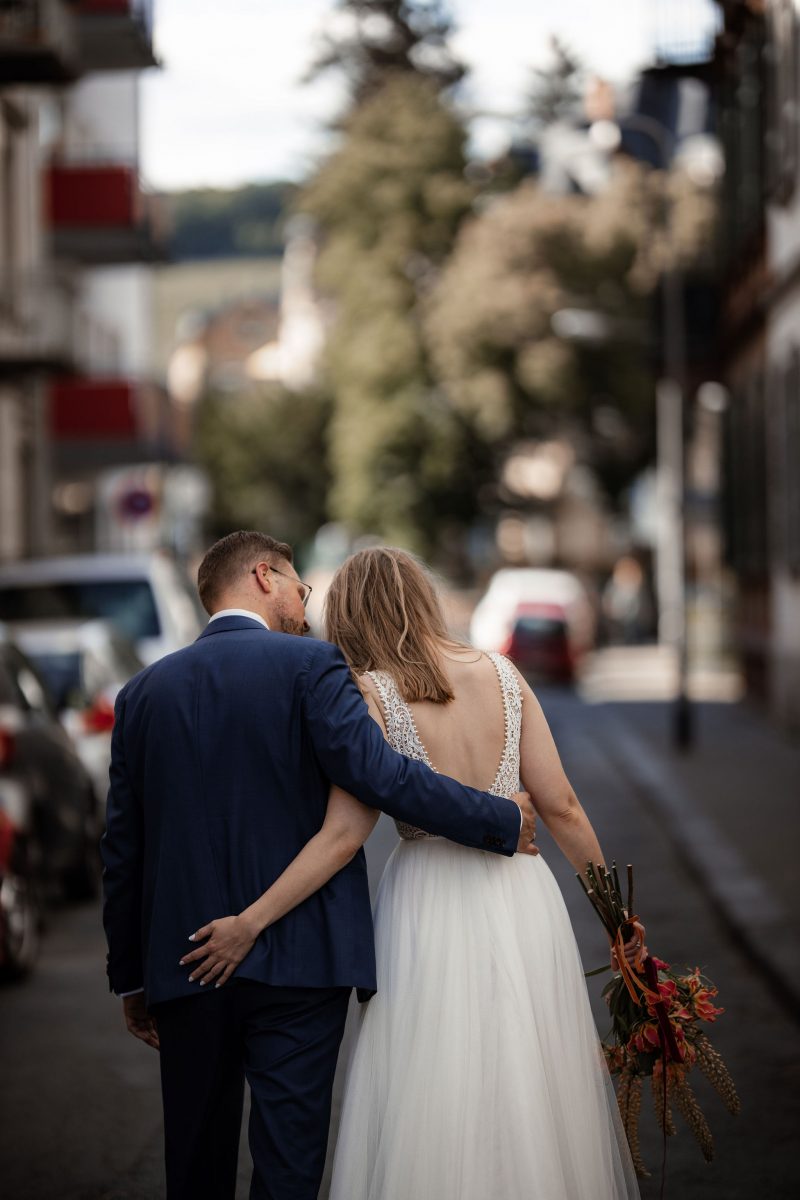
[(477, 1072)]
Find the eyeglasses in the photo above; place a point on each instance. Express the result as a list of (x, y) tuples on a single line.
[(306, 587)]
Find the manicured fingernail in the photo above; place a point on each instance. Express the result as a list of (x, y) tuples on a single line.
[(216, 985), (181, 962), (191, 979), (192, 937), (202, 983)]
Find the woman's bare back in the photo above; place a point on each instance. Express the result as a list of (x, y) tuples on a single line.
[(466, 737)]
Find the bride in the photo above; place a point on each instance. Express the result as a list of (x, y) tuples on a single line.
[(477, 1072)]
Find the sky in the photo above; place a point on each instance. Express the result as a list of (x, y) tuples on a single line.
[(229, 107)]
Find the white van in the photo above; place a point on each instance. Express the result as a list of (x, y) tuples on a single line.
[(145, 596)]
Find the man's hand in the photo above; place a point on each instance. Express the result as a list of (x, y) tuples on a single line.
[(527, 834), (139, 1021)]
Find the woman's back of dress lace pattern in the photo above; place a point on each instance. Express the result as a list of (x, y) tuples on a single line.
[(474, 738)]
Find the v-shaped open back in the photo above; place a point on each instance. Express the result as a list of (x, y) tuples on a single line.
[(403, 735)]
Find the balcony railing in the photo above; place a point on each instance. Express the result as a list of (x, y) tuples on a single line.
[(97, 422), (116, 35), (88, 409), (99, 214), (40, 325), (39, 42)]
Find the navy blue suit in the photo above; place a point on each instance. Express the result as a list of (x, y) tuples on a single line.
[(222, 759)]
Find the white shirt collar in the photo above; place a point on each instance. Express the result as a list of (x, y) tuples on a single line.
[(238, 612)]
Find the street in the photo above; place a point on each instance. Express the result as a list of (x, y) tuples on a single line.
[(81, 1105)]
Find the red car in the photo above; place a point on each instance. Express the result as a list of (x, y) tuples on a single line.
[(539, 643)]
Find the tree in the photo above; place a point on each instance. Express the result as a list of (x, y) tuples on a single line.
[(489, 321), (389, 202), (266, 456), (228, 223), (375, 39), (557, 88)]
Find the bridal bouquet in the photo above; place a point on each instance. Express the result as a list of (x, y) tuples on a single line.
[(657, 1016)]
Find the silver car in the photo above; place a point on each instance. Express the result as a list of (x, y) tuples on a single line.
[(145, 596)]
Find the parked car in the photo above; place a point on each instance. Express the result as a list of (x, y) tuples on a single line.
[(510, 587), (44, 787), (145, 596), (539, 643), (20, 894), (84, 664)]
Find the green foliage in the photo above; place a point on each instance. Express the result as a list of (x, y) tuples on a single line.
[(557, 88), (389, 203), (489, 320), (266, 456), (381, 38), (218, 223)]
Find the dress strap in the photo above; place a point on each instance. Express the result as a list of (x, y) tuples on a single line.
[(507, 778), (401, 728)]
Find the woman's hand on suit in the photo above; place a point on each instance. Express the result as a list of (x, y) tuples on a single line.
[(226, 941)]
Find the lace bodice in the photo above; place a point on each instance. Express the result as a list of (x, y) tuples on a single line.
[(403, 735)]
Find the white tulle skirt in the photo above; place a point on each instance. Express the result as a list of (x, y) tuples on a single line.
[(477, 1072)]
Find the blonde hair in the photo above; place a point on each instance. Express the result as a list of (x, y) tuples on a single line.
[(383, 612)]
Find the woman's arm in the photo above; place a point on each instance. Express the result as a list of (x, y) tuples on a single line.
[(227, 940), (551, 792), (347, 825), (554, 799)]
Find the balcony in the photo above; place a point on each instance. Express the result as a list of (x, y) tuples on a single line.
[(40, 326), (96, 422), (99, 215), (93, 409), (116, 35), (39, 42)]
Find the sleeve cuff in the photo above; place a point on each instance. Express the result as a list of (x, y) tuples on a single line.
[(135, 992)]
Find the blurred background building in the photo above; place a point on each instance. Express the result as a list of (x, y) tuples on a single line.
[(79, 232), (757, 73), (199, 349)]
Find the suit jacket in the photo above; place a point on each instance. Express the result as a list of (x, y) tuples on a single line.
[(222, 758)]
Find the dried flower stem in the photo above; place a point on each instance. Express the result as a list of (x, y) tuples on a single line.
[(664, 1115), (686, 1103), (632, 1126), (713, 1067)]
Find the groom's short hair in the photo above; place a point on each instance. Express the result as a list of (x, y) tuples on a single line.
[(230, 557)]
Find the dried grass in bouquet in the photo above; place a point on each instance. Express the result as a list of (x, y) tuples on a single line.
[(656, 1030)]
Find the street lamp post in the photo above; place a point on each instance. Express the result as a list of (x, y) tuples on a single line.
[(671, 542)]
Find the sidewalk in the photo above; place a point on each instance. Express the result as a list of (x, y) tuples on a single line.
[(731, 807)]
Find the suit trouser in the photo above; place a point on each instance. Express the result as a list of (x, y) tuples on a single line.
[(285, 1042)]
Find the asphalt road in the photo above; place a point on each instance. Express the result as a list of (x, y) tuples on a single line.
[(79, 1101)]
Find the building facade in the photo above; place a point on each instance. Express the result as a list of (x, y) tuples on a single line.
[(758, 80), (77, 234)]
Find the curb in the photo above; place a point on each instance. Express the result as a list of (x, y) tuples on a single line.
[(743, 902)]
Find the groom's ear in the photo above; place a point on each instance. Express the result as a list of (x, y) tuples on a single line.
[(263, 576)]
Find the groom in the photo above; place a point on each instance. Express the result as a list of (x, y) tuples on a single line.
[(222, 759)]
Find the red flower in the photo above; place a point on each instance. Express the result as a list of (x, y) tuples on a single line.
[(701, 1002), (645, 1038), (668, 990)]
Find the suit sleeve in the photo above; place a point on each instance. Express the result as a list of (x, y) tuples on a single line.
[(122, 849), (354, 754)]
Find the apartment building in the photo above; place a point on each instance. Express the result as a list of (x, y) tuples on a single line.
[(758, 72), (77, 234)]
